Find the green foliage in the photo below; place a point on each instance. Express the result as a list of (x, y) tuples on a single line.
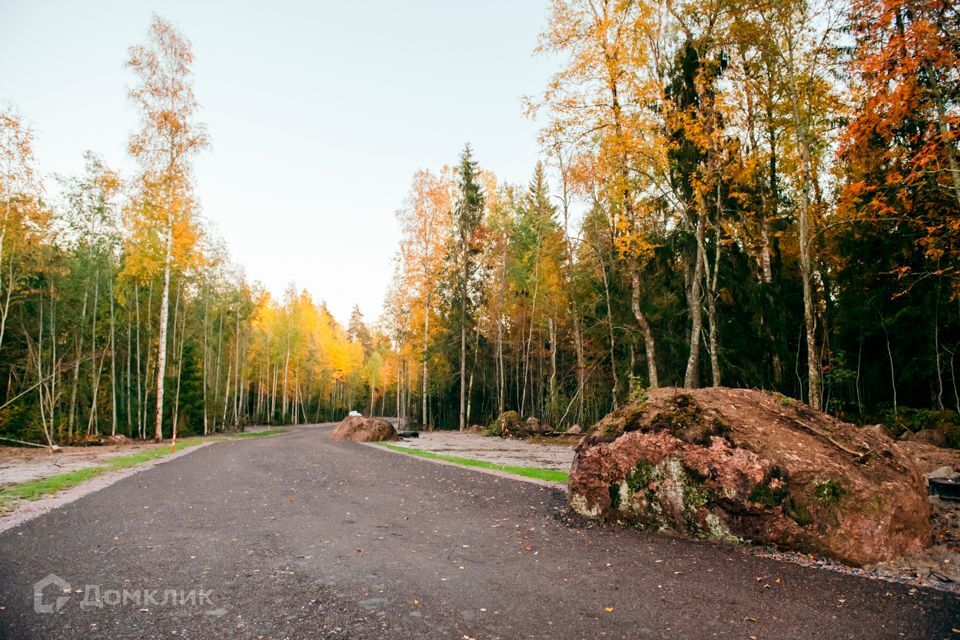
[(913, 420), (638, 393), (190, 401), (828, 492), (506, 423), (767, 496), (797, 511), (640, 476)]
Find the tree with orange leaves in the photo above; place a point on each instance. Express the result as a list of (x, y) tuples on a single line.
[(901, 150)]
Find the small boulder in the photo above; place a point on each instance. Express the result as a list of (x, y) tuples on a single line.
[(360, 429), (742, 465), (930, 436), (533, 426), (942, 472), (575, 430)]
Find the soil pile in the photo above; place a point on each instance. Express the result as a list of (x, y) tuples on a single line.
[(360, 429), (743, 465), (509, 425)]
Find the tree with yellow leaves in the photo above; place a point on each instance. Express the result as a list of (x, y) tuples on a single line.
[(426, 228), (598, 103), (164, 148)]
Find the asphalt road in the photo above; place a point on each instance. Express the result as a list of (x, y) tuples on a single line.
[(296, 537)]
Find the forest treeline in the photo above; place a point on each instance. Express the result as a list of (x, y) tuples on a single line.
[(742, 193), (120, 311), (731, 192)]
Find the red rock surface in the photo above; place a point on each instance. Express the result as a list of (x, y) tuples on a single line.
[(738, 464), (361, 429)]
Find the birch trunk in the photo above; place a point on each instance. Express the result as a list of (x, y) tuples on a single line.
[(691, 378), (806, 268), (162, 331), (613, 350), (113, 367), (650, 346), (71, 418)]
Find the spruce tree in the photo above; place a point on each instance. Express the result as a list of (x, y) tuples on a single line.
[(467, 216)]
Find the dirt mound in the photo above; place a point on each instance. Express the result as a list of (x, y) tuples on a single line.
[(736, 464), (360, 429), (510, 425)]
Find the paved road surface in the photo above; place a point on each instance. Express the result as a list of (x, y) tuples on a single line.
[(300, 538)]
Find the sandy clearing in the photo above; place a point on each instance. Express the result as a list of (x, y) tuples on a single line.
[(499, 450), (22, 465)]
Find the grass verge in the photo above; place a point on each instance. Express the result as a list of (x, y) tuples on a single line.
[(550, 475), (36, 489)]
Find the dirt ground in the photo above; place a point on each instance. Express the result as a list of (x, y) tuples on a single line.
[(21, 464), (499, 450)]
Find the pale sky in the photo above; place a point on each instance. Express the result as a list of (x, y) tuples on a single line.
[(319, 113)]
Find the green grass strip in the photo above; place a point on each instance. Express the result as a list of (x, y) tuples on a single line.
[(551, 475), (36, 489), (257, 434)]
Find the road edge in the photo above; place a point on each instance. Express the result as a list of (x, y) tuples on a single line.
[(502, 474), (30, 509)]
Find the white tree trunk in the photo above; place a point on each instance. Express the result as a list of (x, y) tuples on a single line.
[(162, 334)]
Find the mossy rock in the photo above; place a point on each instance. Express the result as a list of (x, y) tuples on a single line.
[(736, 464)]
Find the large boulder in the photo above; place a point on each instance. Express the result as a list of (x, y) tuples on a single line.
[(742, 465), (360, 429)]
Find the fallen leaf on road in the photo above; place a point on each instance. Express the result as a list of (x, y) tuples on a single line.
[(750, 619), (608, 609)]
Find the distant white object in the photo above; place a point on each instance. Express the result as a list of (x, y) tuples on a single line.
[(354, 414)]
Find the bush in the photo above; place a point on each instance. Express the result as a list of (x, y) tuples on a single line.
[(508, 422), (914, 420)]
